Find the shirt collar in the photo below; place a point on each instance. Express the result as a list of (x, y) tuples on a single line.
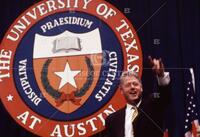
[(129, 106)]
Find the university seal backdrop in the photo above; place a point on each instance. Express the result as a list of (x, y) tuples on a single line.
[(60, 66)]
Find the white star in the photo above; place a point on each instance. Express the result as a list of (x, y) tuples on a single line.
[(10, 97), (67, 76)]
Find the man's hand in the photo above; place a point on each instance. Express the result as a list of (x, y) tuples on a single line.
[(157, 66)]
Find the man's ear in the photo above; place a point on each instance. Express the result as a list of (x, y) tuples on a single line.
[(141, 86), (141, 89)]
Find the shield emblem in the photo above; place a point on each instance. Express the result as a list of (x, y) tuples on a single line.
[(67, 67)]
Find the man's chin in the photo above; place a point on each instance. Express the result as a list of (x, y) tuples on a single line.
[(134, 99)]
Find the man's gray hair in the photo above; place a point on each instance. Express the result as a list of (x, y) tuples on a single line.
[(129, 73)]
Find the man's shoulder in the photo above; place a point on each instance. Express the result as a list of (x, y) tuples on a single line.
[(117, 114)]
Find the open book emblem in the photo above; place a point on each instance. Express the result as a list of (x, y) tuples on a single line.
[(67, 44)]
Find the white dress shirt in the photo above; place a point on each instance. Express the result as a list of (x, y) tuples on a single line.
[(128, 119)]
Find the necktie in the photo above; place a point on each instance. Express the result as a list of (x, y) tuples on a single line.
[(135, 113)]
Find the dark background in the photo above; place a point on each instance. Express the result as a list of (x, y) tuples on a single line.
[(169, 29)]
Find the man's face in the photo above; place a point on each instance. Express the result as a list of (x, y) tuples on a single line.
[(131, 88)]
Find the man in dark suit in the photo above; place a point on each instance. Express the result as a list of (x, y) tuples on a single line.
[(141, 117)]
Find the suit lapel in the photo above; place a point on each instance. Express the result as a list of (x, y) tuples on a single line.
[(122, 122), (136, 123), (119, 123)]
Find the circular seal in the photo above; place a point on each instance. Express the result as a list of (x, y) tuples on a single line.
[(60, 64)]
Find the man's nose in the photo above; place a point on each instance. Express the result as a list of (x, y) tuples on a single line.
[(132, 85)]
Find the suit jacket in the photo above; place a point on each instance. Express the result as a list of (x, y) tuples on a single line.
[(149, 121)]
